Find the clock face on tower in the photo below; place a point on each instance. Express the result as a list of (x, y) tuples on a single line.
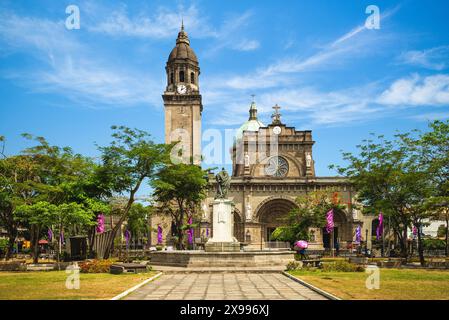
[(182, 89), (276, 167), (277, 130)]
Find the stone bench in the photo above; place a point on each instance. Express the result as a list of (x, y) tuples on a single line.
[(119, 268), (391, 263)]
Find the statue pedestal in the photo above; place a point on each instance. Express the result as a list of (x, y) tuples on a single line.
[(222, 239)]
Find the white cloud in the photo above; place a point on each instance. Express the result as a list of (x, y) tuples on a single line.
[(324, 108), (230, 35), (418, 91), (163, 24), (334, 54), (308, 104), (247, 45), (434, 58), (40, 35), (68, 66), (431, 116)]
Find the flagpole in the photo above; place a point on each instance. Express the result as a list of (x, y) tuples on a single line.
[(332, 242), (383, 243)]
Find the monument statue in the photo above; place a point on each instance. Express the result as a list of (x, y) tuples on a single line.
[(223, 183), (223, 239)]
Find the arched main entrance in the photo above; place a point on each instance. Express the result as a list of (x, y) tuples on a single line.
[(273, 213)]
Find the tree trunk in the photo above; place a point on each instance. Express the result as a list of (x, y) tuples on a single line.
[(113, 233), (35, 230), (58, 254), (10, 248), (180, 244), (422, 261), (404, 246), (11, 229), (91, 237)]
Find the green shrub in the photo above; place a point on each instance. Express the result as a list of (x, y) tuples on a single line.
[(433, 244), (342, 266), (95, 266), (3, 245), (292, 266), (441, 231)]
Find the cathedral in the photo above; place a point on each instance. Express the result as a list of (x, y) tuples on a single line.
[(272, 165)]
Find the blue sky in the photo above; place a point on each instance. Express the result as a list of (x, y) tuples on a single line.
[(315, 59)]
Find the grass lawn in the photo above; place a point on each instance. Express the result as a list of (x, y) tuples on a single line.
[(51, 285), (395, 284)]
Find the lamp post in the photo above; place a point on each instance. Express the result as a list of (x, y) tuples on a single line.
[(366, 241)]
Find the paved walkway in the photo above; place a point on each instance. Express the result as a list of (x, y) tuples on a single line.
[(224, 286)]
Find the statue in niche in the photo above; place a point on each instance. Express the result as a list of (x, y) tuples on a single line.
[(204, 211), (249, 213), (246, 159), (308, 159)]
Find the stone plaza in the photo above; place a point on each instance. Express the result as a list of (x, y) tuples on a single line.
[(224, 286)]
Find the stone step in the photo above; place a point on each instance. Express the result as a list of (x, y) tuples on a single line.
[(175, 270)]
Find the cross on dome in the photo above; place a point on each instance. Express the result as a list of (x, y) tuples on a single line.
[(276, 116)]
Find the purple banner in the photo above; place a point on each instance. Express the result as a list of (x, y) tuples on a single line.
[(50, 234), (380, 227), (100, 223), (330, 221), (127, 236), (159, 235), (358, 234)]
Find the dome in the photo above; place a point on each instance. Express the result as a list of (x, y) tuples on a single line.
[(183, 49), (252, 124)]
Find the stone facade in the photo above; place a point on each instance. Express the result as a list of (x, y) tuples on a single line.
[(272, 166)]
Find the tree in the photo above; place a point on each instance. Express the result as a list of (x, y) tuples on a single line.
[(20, 183), (43, 215), (179, 190), (434, 154), (390, 177), (127, 162), (44, 180), (138, 220), (7, 219), (310, 213)]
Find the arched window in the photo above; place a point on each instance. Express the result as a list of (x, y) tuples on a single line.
[(181, 76), (192, 78), (171, 78)]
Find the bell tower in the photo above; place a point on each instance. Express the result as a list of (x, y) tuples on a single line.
[(182, 100)]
